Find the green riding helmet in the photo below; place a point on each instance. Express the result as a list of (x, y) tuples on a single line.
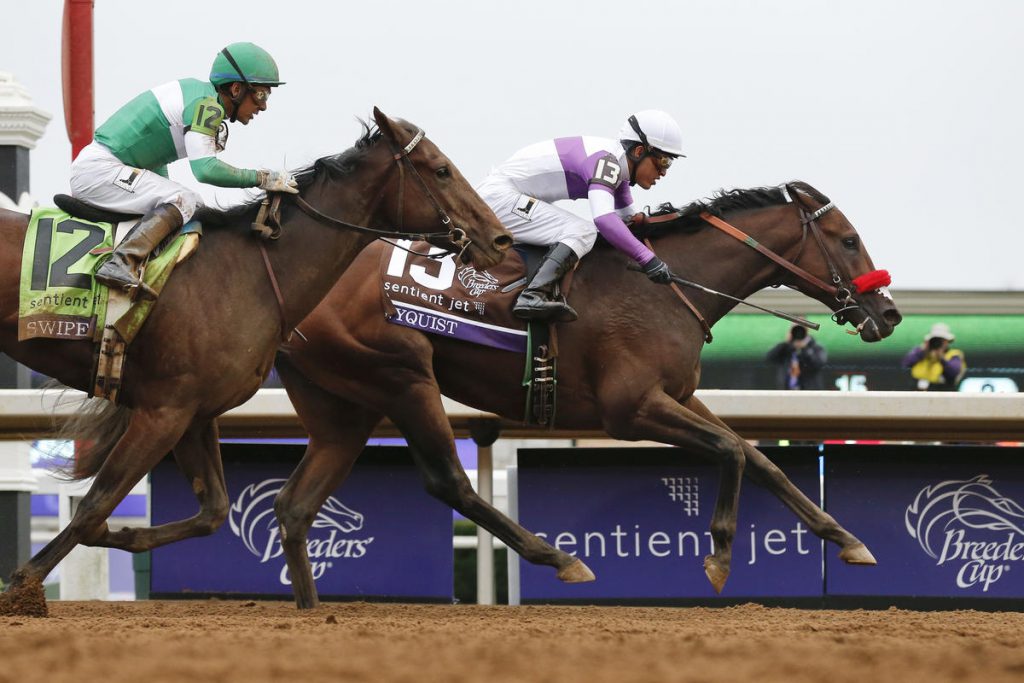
[(255, 66)]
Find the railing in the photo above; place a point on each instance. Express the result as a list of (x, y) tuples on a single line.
[(893, 415)]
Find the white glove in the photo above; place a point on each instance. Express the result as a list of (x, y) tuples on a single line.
[(278, 181)]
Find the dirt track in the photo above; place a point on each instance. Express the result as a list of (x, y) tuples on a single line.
[(148, 642)]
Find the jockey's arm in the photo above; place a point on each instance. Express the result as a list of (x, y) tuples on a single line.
[(201, 149), (207, 168), (611, 226), (161, 171)]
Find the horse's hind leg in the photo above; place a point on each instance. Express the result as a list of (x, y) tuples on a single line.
[(198, 455), (767, 474), (149, 436), (420, 415), (338, 430)]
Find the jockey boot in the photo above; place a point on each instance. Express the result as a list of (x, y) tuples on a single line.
[(119, 270), (537, 302)]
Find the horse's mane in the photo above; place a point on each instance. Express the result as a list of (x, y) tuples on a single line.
[(725, 202), (336, 166)]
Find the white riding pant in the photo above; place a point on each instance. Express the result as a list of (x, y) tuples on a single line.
[(100, 178), (532, 221)]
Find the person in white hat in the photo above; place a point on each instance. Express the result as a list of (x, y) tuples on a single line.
[(521, 192), (934, 365)]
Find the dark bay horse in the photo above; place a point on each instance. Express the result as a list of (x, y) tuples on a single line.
[(211, 340), (629, 365)]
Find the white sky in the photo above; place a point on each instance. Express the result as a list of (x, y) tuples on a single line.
[(907, 114)]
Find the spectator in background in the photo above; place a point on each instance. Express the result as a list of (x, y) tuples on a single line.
[(934, 365), (800, 360)]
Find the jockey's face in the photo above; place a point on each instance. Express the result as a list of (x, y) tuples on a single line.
[(651, 169), (254, 100)]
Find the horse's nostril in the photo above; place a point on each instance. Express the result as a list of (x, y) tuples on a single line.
[(893, 317), (502, 242)]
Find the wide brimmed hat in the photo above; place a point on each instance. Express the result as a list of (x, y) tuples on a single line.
[(940, 330)]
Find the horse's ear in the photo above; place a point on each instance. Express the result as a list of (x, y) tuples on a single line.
[(386, 125)]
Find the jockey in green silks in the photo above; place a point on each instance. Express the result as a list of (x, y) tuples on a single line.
[(124, 169)]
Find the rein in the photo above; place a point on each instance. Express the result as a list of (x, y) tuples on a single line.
[(808, 220), (269, 213), (457, 237)]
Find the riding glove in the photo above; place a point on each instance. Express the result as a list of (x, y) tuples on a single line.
[(657, 271), (278, 181)]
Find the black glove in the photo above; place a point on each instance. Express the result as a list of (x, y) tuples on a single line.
[(657, 271)]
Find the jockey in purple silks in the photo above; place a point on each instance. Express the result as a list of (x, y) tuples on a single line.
[(521, 191)]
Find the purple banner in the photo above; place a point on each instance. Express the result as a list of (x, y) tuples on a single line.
[(942, 521), (640, 519), (426, 320), (382, 536)]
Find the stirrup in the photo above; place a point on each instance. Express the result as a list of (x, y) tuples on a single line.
[(135, 287)]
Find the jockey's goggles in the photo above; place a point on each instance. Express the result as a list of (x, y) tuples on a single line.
[(260, 96), (662, 161)]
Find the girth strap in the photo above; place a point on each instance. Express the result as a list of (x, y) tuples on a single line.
[(689, 304), (286, 331)]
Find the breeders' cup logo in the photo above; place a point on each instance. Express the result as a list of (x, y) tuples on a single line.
[(971, 525), (252, 520), (477, 282)]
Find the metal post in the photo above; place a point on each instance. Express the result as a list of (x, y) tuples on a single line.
[(17, 482), (21, 124), (85, 572), (485, 432)]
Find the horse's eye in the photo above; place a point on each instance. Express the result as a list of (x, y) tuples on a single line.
[(850, 242), (443, 172)]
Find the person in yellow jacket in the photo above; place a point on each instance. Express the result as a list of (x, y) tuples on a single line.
[(933, 364)]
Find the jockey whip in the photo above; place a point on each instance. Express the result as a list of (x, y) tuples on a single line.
[(778, 314)]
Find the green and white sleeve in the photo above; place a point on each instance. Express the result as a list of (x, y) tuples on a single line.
[(205, 117)]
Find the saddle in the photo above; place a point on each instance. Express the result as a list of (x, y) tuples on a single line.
[(440, 296), (60, 299), (91, 212)]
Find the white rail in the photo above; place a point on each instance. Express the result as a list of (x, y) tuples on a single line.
[(895, 415)]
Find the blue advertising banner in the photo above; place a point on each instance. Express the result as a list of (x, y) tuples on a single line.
[(640, 519), (942, 521), (381, 536)]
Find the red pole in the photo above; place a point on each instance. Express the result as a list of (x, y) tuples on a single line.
[(77, 69)]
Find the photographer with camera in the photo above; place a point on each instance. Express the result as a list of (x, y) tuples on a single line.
[(800, 360), (934, 365)]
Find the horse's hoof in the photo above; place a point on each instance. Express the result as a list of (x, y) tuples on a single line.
[(577, 572), (716, 573), (24, 599), (857, 554)]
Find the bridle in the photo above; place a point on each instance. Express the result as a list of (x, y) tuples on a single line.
[(843, 288), (268, 221), (454, 240)]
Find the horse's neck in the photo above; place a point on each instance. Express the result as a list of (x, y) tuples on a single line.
[(720, 262), (312, 254)]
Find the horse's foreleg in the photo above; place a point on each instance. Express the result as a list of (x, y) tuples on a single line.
[(149, 436), (420, 415), (198, 455), (767, 474), (658, 417), (338, 430)]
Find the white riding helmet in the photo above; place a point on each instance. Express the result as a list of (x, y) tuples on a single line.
[(660, 130)]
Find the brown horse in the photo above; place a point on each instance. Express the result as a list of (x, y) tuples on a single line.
[(629, 365), (211, 339)]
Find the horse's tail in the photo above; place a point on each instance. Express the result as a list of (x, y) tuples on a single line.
[(95, 428)]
